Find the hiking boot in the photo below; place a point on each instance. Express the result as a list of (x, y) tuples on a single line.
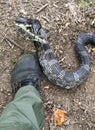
[(27, 71)]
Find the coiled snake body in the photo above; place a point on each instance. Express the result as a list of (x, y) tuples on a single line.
[(32, 29)]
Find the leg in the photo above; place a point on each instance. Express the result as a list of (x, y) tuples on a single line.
[(25, 112)]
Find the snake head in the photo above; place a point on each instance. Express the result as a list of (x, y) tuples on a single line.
[(32, 25)]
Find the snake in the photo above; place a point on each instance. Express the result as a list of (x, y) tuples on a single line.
[(32, 29)]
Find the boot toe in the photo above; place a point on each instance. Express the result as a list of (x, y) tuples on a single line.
[(27, 68)]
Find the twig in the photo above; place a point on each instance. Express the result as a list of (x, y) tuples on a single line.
[(62, 60), (4, 35), (14, 43), (45, 19), (43, 7), (8, 43)]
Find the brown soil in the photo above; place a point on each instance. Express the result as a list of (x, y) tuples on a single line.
[(66, 20)]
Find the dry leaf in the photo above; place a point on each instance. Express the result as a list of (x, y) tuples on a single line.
[(58, 117), (14, 1)]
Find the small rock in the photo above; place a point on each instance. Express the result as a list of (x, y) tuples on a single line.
[(23, 11), (67, 122)]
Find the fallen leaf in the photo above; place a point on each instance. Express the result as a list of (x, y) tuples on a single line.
[(14, 1), (58, 117)]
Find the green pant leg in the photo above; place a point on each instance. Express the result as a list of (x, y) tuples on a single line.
[(25, 112)]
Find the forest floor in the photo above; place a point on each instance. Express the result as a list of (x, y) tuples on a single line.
[(66, 20)]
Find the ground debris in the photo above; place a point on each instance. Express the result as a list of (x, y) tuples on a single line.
[(58, 117)]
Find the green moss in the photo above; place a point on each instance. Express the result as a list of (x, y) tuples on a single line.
[(14, 60), (83, 3), (30, 6)]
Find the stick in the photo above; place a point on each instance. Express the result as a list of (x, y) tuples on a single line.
[(45, 19), (8, 43), (43, 7), (14, 43), (4, 35)]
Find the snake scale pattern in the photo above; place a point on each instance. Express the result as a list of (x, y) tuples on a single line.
[(32, 29)]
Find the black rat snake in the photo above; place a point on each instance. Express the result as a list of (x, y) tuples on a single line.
[(32, 29)]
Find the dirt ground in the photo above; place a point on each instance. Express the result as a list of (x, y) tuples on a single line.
[(66, 20)]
